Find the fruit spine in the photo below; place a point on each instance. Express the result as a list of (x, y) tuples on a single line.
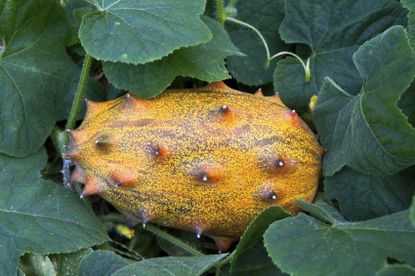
[(206, 160)]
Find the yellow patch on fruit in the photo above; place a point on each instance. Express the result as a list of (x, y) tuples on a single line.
[(206, 160)]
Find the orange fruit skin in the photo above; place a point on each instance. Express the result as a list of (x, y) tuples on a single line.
[(206, 160)]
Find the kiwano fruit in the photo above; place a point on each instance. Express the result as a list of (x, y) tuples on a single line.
[(206, 160)]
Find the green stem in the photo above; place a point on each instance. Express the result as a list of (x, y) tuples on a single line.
[(130, 252), (125, 254), (83, 82), (306, 66), (249, 26), (158, 232), (269, 58), (177, 242), (220, 9)]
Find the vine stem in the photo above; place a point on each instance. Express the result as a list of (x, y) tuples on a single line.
[(249, 26), (220, 9), (179, 243), (306, 66), (80, 91), (134, 255), (269, 58)]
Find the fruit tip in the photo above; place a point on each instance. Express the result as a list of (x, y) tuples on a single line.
[(120, 178), (91, 187), (199, 231), (223, 243), (259, 93), (70, 155), (218, 85)]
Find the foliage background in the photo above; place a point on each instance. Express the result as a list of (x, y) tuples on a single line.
[(362, 62)]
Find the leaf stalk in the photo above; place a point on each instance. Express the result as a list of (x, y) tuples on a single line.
[(80, 92), (220, 9), (269, 58)]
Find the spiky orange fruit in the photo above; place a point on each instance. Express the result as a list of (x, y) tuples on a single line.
[(206, 160)]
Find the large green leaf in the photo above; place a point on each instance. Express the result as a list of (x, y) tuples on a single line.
[(322, 211), (37, 264), (266, 16), (3, 19), (407, 103), (180, 266), (101, 263), (68, 264), (410, 5), (204, 62), (39, 216), (368, 132), (136, 32), (362, 196), (35, 75), (74, 10), (411, 26), (332, 30), (412, 212), (303, 245), (250, 255), (8, 17)]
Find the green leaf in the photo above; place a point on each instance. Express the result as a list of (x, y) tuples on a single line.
[(411, 27), (407, 103), (321, 211), (74, 10), (3, 20), (362, 196), (35, 75), (173, 250), (8, 17), (145, 243), (20, 272), (270, 270), (250, 255), (101, 262), (68, 264), (412, 212), (332, 30), (180, 266), (39, 216), (368, 132), (36, 264), (303, 245), (396, 270), (408, 4), (266, 16), (138, 32), (204, 62)]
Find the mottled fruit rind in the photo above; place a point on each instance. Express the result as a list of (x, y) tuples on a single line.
[(206, 160)]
